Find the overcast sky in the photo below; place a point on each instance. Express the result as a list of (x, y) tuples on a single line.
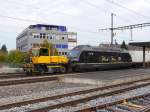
[(82, 16)]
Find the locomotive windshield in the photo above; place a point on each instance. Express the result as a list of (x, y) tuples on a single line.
[(73, 53), (44, 52)]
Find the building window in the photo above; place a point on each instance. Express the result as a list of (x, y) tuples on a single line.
[(50, 37), (63, 38), (40, 35), (44, 35), (58, 45), (65, 53), (43, 28), (35, 35), (35, 45), (47, 28), (64, 46)]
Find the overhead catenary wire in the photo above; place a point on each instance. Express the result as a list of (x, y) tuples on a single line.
[(24, 5), (87, 2), (35, 21), (19, 19), (99, 8), (44, 11), (128, 9), (93, 5)]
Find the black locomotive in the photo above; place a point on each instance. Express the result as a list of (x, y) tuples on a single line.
[(85, 57)]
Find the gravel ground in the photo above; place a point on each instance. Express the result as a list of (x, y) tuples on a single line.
[(58, 101), (26, 89), (15, 93), (104, 100)]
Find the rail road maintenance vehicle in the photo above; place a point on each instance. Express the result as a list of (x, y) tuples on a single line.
[(41, 61)]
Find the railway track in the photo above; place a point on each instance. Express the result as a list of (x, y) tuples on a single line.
[(27, 80), (139, 103), (12, 75), (22, 75), (75, 98), (19, 75)]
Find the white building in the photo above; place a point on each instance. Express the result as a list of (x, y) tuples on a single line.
[(34, 35)]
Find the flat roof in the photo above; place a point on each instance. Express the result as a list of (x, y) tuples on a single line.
[(140, 44), (59, 27)]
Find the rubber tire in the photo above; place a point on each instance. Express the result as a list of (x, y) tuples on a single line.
[(64, 70), (41, 70), (29, 73)]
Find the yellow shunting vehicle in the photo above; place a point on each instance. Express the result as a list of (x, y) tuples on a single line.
[(41, 61)]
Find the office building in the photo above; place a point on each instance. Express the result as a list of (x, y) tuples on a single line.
[(34, 35)]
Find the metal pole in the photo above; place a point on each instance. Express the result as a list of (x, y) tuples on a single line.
[(131, 34), (112, 34), (144, 56)]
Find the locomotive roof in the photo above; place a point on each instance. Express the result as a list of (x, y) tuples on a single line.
[(98, 48)]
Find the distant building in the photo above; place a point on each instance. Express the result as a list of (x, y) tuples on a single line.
[(34, 35)]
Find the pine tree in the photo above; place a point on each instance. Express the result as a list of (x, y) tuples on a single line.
[(123, 45), (4, 48)]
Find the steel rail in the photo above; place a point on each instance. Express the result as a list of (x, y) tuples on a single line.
[(18, 104), (93, 109), (27, 81), (84, 100)]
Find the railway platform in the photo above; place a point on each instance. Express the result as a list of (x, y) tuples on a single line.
[(107, 77)]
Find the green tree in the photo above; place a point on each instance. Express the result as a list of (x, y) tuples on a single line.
[(53, 50), (27, 56), (46, 44), (123, 45), (4, 48), (3, 57), (16, 56)]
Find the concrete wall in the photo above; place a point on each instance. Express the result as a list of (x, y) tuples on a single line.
[(137, 56)]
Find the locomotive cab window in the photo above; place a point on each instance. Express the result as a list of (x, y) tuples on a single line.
[(73, 53), (44, 52)]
